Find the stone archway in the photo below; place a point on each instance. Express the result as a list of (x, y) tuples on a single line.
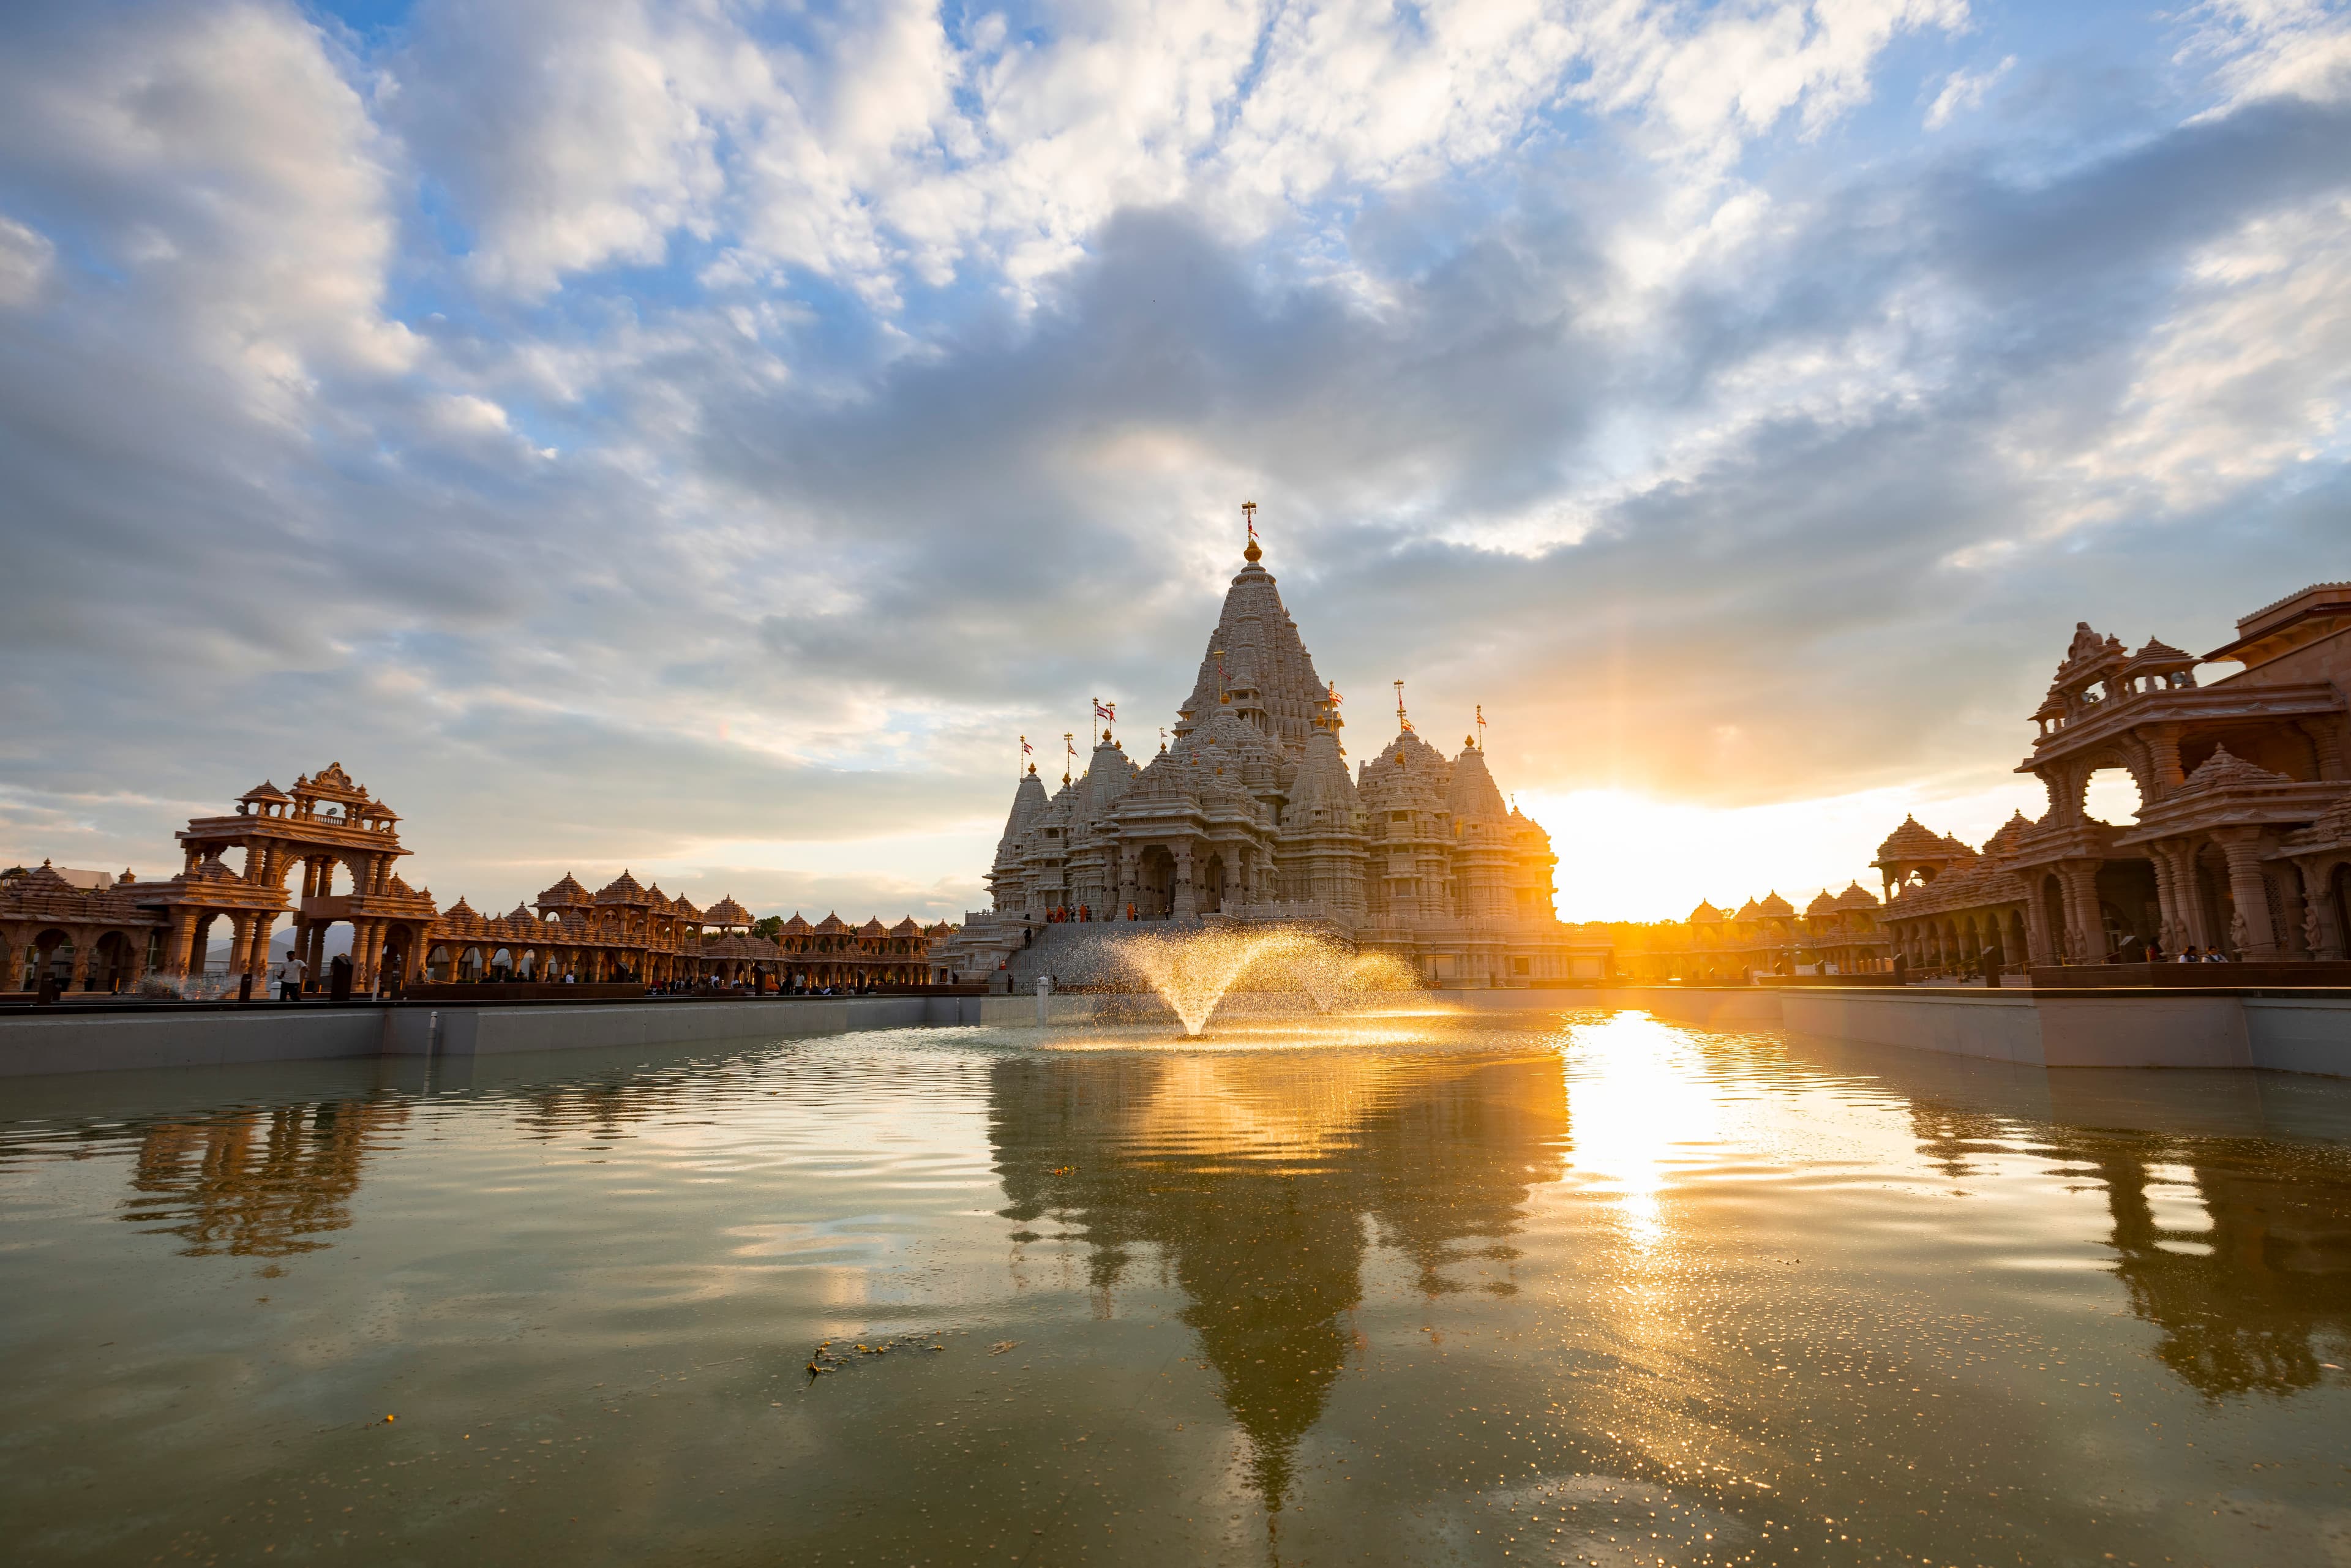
[(113, 963), (50, 954), (398, 941), (1155, 882)]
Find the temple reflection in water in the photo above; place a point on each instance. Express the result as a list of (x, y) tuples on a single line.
[(2242, 1300), (2237, 1248), (1260, 1184), (266, 1183), (1252, 1177)]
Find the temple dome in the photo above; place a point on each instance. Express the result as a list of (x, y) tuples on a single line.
[(2224, 769), (1471, 796), (1912, 840), (568, 891), (623, 889), (1323, 797)]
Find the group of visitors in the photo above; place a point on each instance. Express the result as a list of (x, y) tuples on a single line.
[(1062, 914), (2188, 954)]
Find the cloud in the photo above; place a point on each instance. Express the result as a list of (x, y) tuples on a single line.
[(1964, 90), (26, 257), (227, 171), (2273, 48)]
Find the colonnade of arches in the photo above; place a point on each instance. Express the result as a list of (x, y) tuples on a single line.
[(77, 957), (461, 963), (1965, 942)]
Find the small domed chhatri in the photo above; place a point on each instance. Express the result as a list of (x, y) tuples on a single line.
[(1251, 814)]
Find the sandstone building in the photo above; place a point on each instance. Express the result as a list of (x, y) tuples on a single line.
[(2241, 840), (326, 852)]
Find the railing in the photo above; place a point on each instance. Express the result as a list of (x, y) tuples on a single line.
[(1280, 909)]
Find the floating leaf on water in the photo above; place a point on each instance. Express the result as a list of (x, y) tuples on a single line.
[(1000, 1346)]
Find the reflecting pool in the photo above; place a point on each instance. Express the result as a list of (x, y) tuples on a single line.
[(1581, 1288)]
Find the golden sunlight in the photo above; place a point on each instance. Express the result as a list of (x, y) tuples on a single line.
[(1624, 856), (1639, 1092)]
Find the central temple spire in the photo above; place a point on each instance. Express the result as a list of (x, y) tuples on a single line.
[(1254, 662)]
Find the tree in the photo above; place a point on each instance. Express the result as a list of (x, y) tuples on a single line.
[(771, 926)]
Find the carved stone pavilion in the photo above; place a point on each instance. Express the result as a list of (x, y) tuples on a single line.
[(2240, 841), (1251, 814), (326, 851)]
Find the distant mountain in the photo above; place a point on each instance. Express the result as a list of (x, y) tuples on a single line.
[(339, 940)]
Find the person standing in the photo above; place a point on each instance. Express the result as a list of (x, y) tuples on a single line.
[(290, 977)]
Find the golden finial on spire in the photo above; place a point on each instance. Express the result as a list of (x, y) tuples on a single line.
[(1248, 515)]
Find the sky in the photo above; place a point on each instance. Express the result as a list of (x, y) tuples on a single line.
[(701, 438)]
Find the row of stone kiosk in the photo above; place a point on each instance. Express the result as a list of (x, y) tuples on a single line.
[(324, 853)]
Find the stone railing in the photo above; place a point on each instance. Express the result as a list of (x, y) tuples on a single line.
[(1301, 909)]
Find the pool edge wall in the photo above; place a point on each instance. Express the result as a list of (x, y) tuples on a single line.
[(49, 1042), (2285, 1032)]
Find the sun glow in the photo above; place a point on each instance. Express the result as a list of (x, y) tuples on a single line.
[(1624, 856)]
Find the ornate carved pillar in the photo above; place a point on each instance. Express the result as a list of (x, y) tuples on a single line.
[(2321, 927), (2291, 929), (2085, 930), (12, 961), (240, 925), (316, 958), (2036, 935), (80, 971), (1185, 907), (2161, 857), (177, 939), (1130, 877), (2326, 739), (2249, 891), (257, 958), (2163, 751)]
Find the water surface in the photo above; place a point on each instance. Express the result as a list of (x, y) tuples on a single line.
[(1588, 1288)]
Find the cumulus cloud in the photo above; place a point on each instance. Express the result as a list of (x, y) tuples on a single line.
[(701, 438)]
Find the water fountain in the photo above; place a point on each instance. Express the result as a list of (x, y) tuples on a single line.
[(1281, 967)]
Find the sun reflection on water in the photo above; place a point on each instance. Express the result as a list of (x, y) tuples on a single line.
[(1637, 1092)]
